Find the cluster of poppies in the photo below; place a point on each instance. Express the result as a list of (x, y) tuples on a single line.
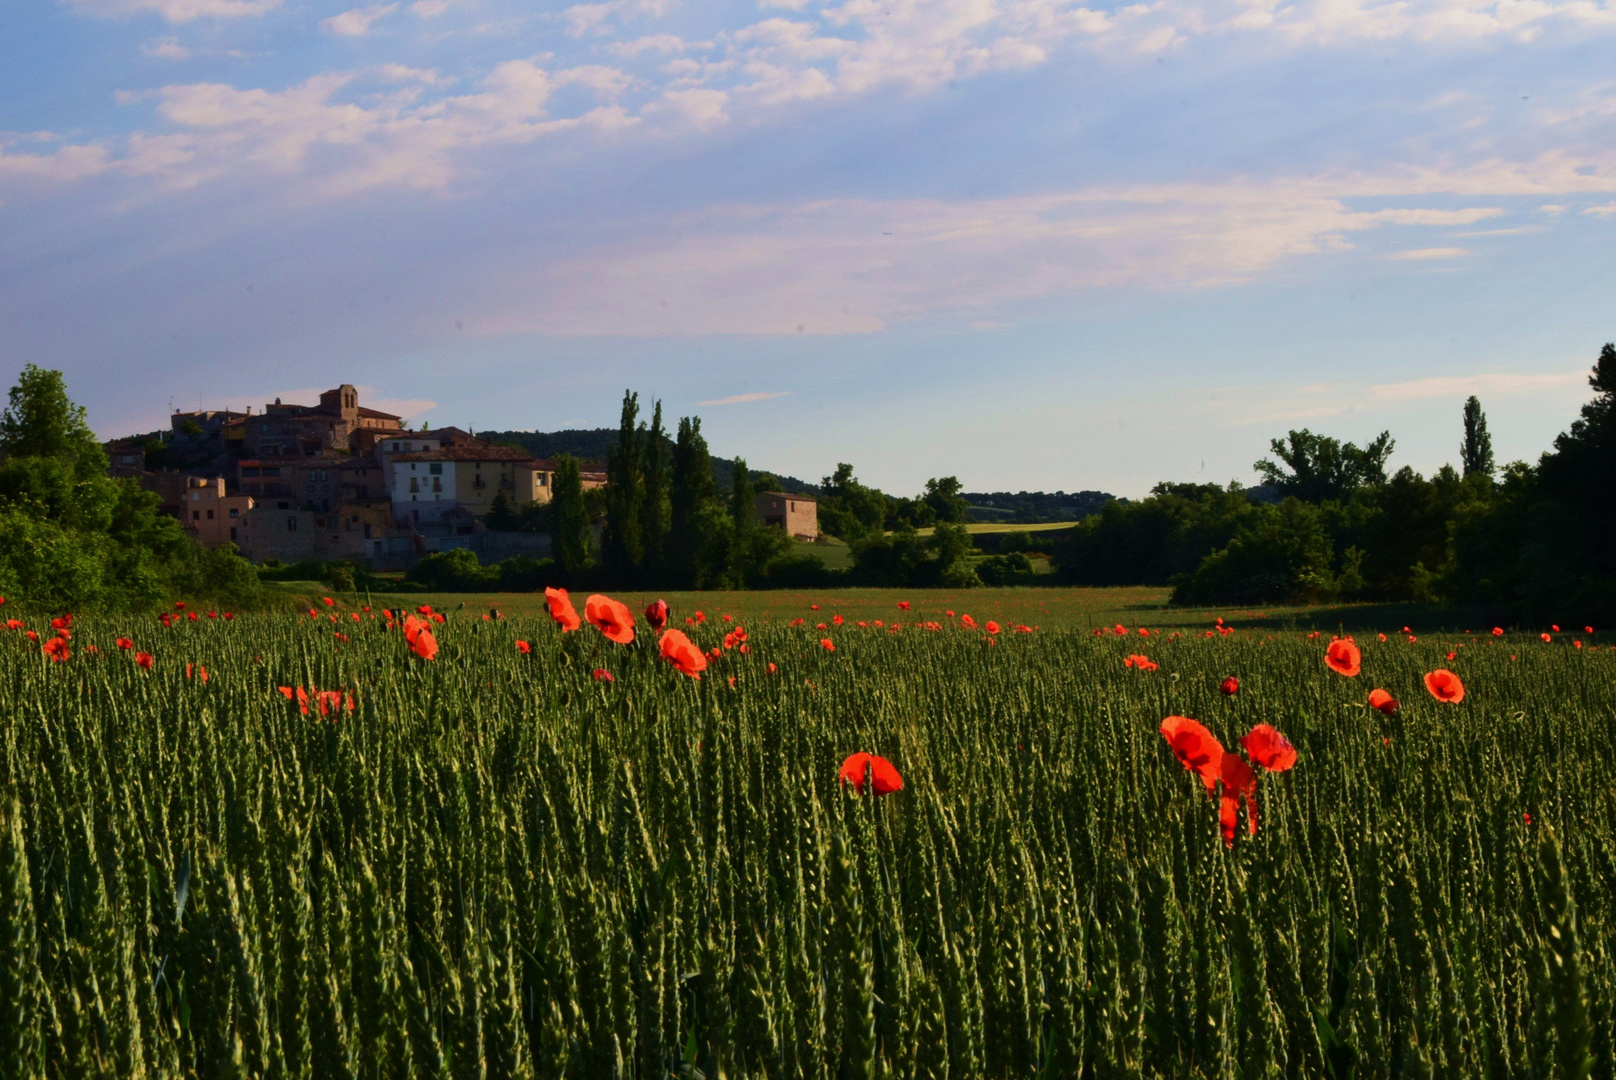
[(1202, 754), (1343, 657), (616, 622)]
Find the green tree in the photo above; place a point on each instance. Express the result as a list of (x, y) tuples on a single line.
[(1317, 468), (622, 547), (654, 506), (570, 517), (1476, 452), (692, 500), (743, 521), (502, 516), (1281, 554), (41, 422), (943, 496), (848, 510)]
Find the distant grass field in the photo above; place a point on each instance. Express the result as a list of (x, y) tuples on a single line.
[(976, 527), (1046, 608)]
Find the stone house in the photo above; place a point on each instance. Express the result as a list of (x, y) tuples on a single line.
[(298, 431), (429, 487), (798, 515), (210, 515)]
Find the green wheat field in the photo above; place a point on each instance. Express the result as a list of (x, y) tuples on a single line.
[(497, 864)]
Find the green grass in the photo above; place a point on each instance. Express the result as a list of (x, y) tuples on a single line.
[(976, 527), (497, 865)]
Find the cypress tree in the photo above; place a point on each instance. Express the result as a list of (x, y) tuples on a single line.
[(654, 505), (1476, 453), (692, 491), (570, 516), (622, 548)]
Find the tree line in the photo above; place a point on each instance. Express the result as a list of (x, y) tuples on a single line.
[(1533, 539)]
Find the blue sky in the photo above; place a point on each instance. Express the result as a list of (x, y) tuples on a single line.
[(1032, 243)]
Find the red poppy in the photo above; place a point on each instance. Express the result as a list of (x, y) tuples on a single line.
[(677, 650), (993, 627), (424, 609), (1445, 686), (340, 636), (1230, 686), (657, 615), (14, 624), (523, 647), (1545, 637), (883, 775), (1380, 699), (56, 649), (301, 697), (327, 601), (614, 618), (1343, 657), (1239, 782), (196, 671), (836, 620), (903, 605), (1585, 629), (179, 605), (418, 635), (124, 643), (1498, 631), (967, 622), (1268, 748), (144, 659), (1143, 663), (32, 636), (1555, 627), (229, 615), (1526, 816), (602, 675), (330, 701), (1197, 748), (701, 617), (561, 610), (827, 644), (771, 667)]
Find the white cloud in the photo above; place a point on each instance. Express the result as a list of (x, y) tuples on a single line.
[(853, 265), (167, 48), (744, 399), (177, 10), (601, 18), (1425, 254), (1605, 210), (430, 9), (1459, 386), (359, 21), (399, 73)]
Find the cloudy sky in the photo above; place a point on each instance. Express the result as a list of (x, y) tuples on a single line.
[(1034, 243)]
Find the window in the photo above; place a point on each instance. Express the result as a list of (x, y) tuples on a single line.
[(436, 468), (196, 515), (249, 472), (437, 483), (235, 513), (210, 515), (276, 471), (232, 532), (291, 524)]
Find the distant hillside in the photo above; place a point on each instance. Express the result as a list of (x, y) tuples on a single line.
[(591, 444), (1033, 507)]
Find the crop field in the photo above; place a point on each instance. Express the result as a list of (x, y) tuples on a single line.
[(492, 847)]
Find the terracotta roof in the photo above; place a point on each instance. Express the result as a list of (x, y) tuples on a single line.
[(472, 452), (789, 495), (377, 414)]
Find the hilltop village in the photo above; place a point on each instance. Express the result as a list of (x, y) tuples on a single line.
[(339, 481)]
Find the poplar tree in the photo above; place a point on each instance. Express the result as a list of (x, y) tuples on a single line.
[(622, 548), (743, 514), (654, 504), (1476, 453), (570, 517), (691, 496)]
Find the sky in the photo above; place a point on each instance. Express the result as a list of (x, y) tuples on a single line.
[(1035, 244)]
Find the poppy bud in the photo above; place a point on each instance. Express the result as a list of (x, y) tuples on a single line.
[(1230, 686), (657, 615)]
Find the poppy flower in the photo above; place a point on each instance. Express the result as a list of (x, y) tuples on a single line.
[(1143, 663), (14, 624), (229, 615), (967, 622), (1239, 782), (301, 697), (813, 607), (837, 620), (561, 610), (827, 644), (418, 635), (903, 605), (1498, 631), (656, 614), (883, 775), (424, 609), (179, 605), (1230, 686), (1554, 627), (331, 701), (1585, 629), (772, 668), (1526, 816), (144, 659), (677, 650), (602, 675), (327, 601), (32, 636), (1545, 637), (196, 671), (1343, 657), (613, 618), (992, 627), (701, 616), (340, 636), (213, 614), (1195, 747), (1445, 686), (1380, 699), (124, 643), (523, 647), (56, 648), (1268, 748)]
